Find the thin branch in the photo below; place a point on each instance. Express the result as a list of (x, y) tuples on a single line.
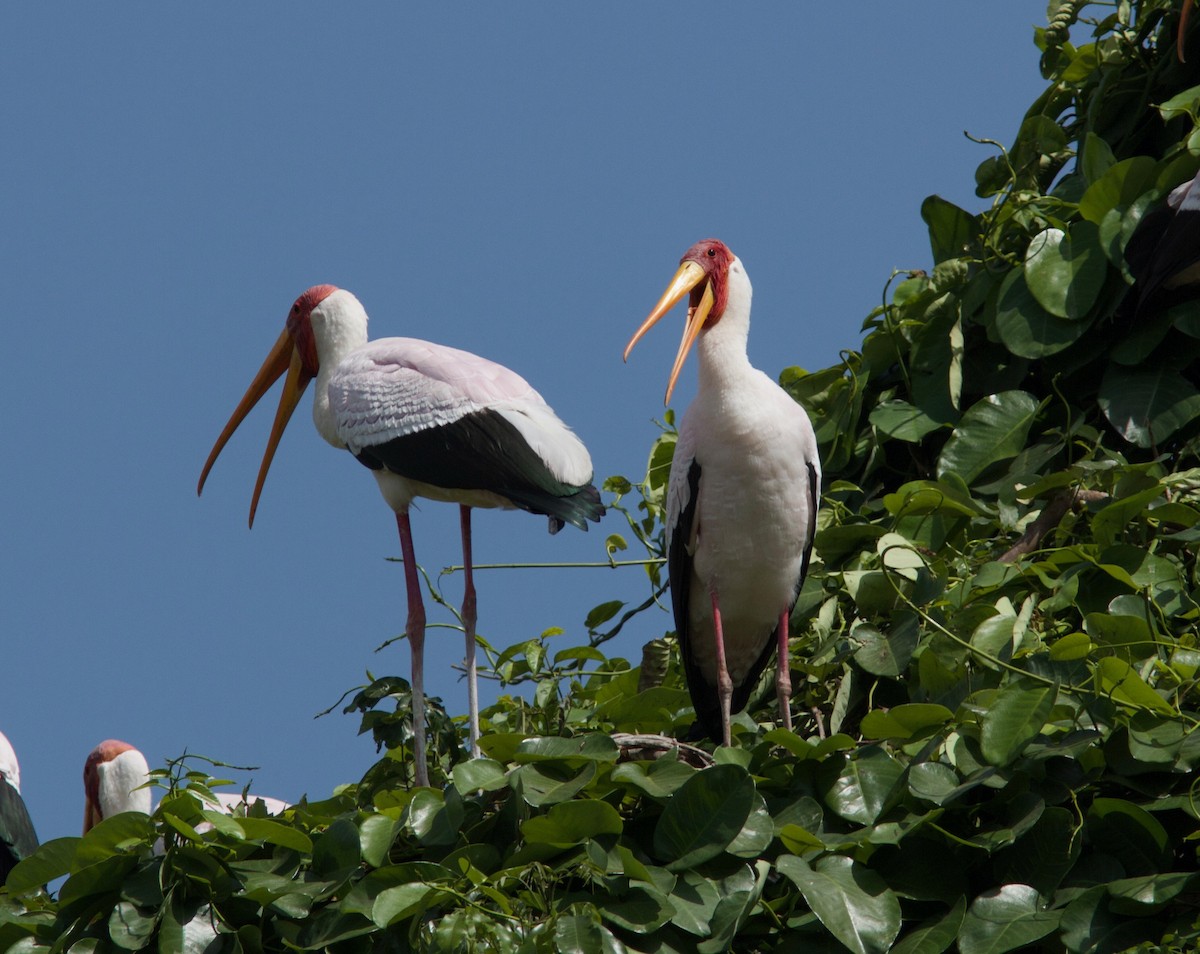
[(1047, 520)]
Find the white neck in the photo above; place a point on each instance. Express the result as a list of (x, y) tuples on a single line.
[(119, 781), (339, 326), (722, 348)]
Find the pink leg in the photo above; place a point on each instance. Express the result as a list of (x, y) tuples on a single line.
[(724, 683), (468, 618), (783, 680), (415, 629)]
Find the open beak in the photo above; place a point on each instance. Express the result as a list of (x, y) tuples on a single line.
[(688, 277), (284, 357)]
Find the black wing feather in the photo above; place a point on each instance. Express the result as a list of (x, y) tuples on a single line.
[(18, 840), (484, 451)]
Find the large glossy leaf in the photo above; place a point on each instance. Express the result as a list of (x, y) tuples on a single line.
[(1129, 833), (1026, 328), (1014, 719), (1066, 270), (593, 747), (1005, 919), (1146, 406), (570, 823), (860, 789), (852, 901), (992, 430), (52, 860), (1117, 188), (705, 816)]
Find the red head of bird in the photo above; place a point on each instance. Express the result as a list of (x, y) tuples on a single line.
[(113, 777), (316, 325), (703, 275)]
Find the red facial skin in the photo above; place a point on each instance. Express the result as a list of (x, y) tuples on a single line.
[(715, 258)]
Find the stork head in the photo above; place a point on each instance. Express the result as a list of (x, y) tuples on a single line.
[(10, 770), (294, 353), (112, 780), (703, 275)]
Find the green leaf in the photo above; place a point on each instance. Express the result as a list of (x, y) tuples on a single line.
[(1117, 188), (658, 779), (900, 420), (642, 910), (756, 834), (861, 788), (1185, 103), (592, 747), (1025, 327), (275, 833), (1066, 270), (547, 783), (1118, 680), (936, 934), (479, 774), (1146, 406), (52, 860), (993, 429), (905, 721), (571, 823), (1014, 719), (884, 655), (1005, 919), (952, 231), (1131, 834), (129, 928), (851, 900), (1097, 157), (336, 853), (705, 816)]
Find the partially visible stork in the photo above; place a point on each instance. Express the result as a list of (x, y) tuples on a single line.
[(1163, 254), (741, 500), (429, 421), (18, 840), (114, 781)]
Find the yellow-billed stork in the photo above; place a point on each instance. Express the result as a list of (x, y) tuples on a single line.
[(429, 421), (18, 840), (741, 500), (114, 781)]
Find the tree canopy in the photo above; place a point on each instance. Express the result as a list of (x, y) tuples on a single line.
[(995, 653)]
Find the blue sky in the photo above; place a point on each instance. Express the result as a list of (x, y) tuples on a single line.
[(519, 181)]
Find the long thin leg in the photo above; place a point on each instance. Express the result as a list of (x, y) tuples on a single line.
[(783, 679), (468, 618), (724, 683), (415, 628)]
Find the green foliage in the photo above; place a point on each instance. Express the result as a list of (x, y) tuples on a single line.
[(994, 658)]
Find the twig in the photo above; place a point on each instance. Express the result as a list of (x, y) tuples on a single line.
[(1048, 519)]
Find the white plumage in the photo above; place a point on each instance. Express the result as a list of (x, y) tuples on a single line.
[(741, 500)]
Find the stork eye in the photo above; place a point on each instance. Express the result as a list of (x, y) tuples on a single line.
[(712, 253)]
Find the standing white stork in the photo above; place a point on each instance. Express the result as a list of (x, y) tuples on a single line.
[(741, 500), (429, 421), (18, 840), (114, 781)]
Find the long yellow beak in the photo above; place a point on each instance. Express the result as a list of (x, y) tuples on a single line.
[(688, 277), (283, 357)]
